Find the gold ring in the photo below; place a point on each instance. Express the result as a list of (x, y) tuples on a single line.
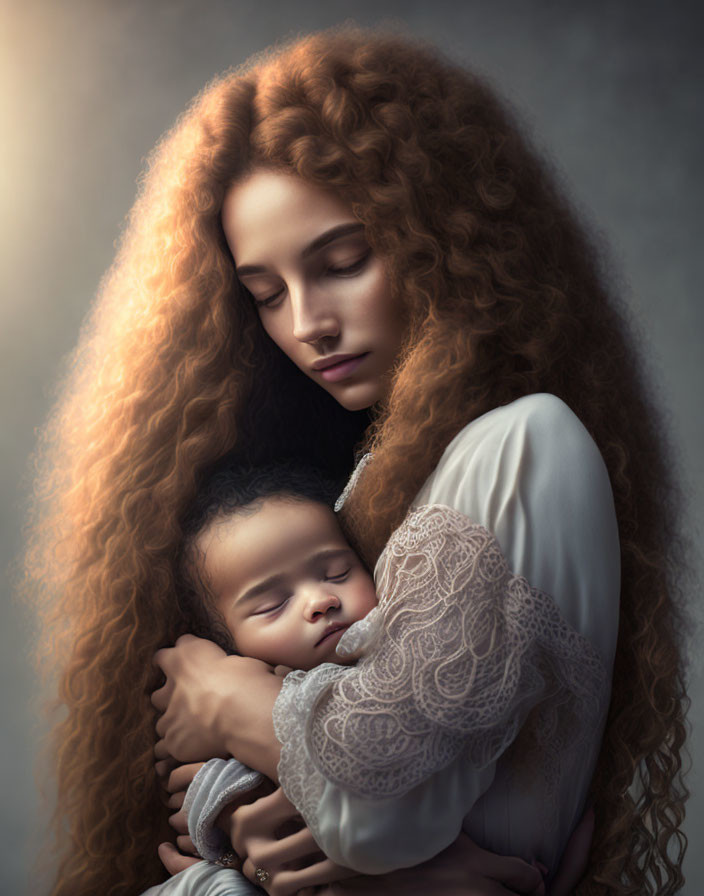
[(261, 875)]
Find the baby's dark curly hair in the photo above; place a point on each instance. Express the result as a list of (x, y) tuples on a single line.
[(235, 488)]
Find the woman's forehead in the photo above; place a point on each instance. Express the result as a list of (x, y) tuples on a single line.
[(274, 212)]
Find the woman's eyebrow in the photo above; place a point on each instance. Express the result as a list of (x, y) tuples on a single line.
[(335, 233)]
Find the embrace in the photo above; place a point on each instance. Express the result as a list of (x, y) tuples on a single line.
[(348, 273)]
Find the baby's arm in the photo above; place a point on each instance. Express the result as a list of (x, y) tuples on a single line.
[(221, 785)]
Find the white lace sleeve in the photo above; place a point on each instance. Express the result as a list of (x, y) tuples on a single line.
[(459, 654)]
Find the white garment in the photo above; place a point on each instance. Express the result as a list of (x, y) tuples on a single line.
[(482, 696), (204, 879), (215, 785)]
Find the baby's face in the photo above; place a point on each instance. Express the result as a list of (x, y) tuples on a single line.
[(286, 581)]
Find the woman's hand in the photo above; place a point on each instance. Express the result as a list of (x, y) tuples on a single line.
[(282, 857), (216, 705), (279, 852), (463, 869), (173, 860), (175, 782)]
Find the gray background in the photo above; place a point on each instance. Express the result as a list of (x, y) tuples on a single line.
[(610, 89)]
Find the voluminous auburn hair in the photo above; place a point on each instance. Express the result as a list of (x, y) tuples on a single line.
[(505, 296)]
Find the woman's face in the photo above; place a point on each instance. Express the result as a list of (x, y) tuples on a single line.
[(321, 293)]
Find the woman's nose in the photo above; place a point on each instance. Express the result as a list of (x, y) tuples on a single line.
[(312, 315), (318, 602)]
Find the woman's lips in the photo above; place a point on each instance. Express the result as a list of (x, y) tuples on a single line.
[(341, 371)]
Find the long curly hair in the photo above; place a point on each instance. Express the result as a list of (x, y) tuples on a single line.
[(506, 296)]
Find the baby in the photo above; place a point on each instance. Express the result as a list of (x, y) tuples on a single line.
[(266, 559), (267, 573)]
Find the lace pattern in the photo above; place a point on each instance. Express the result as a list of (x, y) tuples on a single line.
[(356, 473), (458, 658)]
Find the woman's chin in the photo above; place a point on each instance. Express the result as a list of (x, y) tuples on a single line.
[(356, 396)]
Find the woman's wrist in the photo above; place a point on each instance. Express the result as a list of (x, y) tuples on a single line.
[(252, 739), (215, 705)]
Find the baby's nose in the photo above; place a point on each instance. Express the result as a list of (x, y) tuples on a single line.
[(319, 602)]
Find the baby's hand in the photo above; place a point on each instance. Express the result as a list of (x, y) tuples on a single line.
[(282, 671)]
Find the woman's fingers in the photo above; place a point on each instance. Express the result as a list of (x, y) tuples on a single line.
[(280, 852), (182, 775), (162, 725), (186, 845), (179, 822), (167, 657), (260, 819), (285, 882), (175, 801), (291, 862), (161, 751), (172, 859), (513, 873), (161, 696), (276, 807), (163, 768), (324, 872)]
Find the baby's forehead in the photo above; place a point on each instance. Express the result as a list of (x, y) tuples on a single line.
[(276, 538)]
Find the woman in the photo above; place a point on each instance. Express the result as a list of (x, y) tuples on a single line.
[(501, 297)]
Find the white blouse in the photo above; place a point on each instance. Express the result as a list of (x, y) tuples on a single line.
[(480, 700)]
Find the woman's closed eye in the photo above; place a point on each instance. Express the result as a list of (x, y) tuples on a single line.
[(347, 269), (343, 268), (267, 301)]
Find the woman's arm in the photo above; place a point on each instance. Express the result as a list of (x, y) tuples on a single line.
[(461, 653), (444, 695), (536, 479), (262, 842), (294, 862), (401, 773)]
